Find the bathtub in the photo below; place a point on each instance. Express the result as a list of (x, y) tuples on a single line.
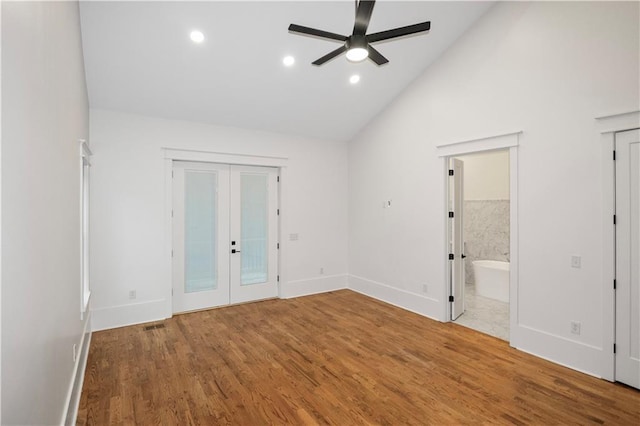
[(492, 279)]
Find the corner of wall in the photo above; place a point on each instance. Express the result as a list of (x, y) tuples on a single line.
[(416, 303)]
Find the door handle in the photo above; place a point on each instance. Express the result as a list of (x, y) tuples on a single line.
[(463, 256), (235, 251)]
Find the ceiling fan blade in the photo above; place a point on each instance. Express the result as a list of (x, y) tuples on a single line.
[(316, 33), (376, 56), (363, 16), (330, 55), (399, 32)]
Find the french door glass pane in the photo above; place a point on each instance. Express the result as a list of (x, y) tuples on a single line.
[(200, 263), (254, 228)]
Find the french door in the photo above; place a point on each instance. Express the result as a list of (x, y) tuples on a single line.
[(627, 358), (224, 234)]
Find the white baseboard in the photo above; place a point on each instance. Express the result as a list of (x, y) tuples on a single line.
[(559, 350), (121, 316), (310, 286), (413, 302), (70, 413)]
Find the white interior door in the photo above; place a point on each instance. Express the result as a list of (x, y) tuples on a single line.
[(456, 186), (225, 247), (254, 244), (627, 358), (200, 236)]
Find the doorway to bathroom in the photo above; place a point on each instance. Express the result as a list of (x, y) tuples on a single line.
[(479, 210)]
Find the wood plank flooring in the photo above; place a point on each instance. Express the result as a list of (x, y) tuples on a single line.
[(335, 358)]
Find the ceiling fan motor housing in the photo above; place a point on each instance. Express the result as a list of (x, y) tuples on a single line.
[(355, 41)]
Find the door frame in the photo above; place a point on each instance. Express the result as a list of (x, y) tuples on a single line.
[(608, 126), (503, 141), (169, 155)]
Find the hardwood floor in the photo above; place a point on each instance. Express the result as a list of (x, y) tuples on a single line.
[(335, 358)]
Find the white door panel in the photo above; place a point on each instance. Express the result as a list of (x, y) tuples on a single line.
[(200, 236), (253, 233), (627, 368), (457, 238)]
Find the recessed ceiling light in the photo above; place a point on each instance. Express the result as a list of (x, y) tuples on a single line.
[(354, 79), (288, 61), (197, 36)]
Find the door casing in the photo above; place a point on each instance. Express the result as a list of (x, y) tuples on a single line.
[(608, 125), (504, 141), (624, 266)]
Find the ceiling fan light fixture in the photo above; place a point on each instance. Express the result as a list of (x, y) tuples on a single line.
[(196, 36), (357, 54)]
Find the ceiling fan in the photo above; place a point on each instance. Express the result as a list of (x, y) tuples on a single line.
[(358, 44)]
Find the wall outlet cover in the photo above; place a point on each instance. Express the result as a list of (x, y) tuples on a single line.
[(575, 327)]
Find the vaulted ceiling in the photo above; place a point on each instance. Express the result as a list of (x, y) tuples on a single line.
[(139, 59)]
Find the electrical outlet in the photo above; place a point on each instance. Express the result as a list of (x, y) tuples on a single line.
[(575, 327), (132, 294), (425, 288), (576, 262), (75, 354)]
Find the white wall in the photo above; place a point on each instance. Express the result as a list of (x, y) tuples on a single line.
[(44, 113), (486, 175), (128, 209), (547, 69)]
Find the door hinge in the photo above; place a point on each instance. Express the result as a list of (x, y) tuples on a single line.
[(614, 155), (450, 172), (278, 212), (614, 348), (171, 213), (614, 283), (278, 246), (614, 219), (451, 298), (451, 257), (278, 179), (450, 214), (171, 252), (278, 278)]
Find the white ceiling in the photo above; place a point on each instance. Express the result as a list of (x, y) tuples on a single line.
[(139, 59)]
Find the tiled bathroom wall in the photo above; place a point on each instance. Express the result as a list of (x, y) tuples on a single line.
[(486, 232)]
